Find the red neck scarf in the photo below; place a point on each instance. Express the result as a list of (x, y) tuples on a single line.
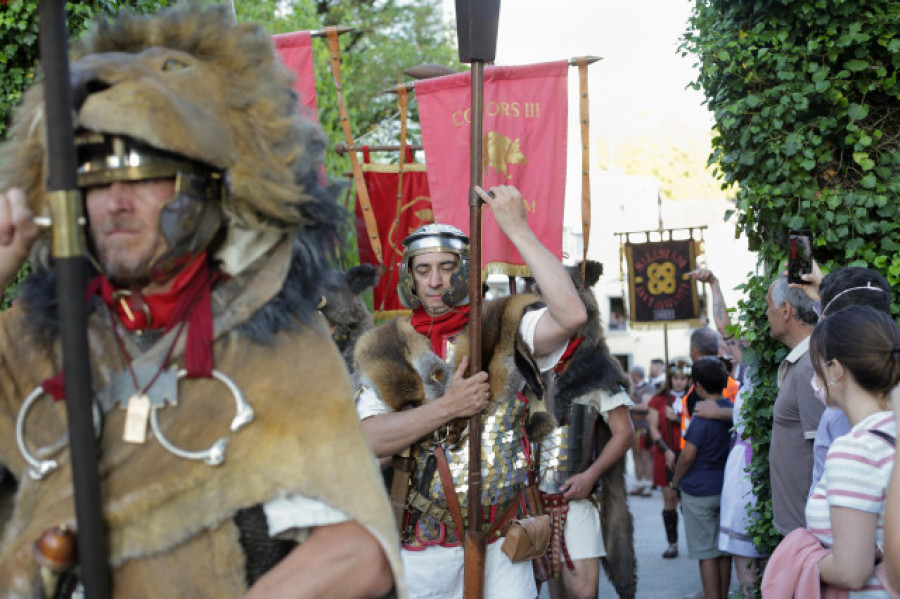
[(189, 297), (440, 328), (136, 311)]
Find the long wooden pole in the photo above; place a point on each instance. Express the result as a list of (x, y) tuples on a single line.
[(68, 254), (475, 547), (476, 27)]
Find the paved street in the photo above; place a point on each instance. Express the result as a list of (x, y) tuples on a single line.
[(658, 578)]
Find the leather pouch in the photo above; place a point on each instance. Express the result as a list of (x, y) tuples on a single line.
[(526, 538)]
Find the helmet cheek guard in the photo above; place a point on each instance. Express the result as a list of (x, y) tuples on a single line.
[(406, 287), (459, 285), (189, 222)]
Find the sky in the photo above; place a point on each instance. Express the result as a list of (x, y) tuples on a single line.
[(639, 84)]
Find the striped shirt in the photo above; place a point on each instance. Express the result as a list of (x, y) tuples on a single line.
[(857, 470)]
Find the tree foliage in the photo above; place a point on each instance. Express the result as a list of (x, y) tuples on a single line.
[(388, 36), (675, 155), (19, 41), (807, 111)]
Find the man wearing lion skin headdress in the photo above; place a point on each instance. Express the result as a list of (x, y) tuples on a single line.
[(207, 228)]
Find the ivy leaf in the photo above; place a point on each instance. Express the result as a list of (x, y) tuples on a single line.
[(856, 65), (863, 160), (796, 222), (857, 112), (747, 158)]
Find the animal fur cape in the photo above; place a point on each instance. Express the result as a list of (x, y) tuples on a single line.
[(592, 369), (190, 80)]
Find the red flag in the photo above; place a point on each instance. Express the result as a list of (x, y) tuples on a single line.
[(415, 211), (525, 111), (296, 52)]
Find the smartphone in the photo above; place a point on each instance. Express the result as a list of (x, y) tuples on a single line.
[(799, 255)]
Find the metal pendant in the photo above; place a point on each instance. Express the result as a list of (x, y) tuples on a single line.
[(136, 419), (215, 455), (39, 468)]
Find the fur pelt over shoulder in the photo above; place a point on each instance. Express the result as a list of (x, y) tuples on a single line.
[(187, 80), (398, 363), (592, 368)]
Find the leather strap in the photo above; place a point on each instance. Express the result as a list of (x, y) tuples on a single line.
[(449, 492), (499, 526), (403, 467), (585, 163), (334, 53)]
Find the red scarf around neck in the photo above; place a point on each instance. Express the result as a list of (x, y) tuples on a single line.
[(440, 328), (189, 298)]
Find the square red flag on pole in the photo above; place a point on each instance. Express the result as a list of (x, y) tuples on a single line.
[(296, 52), (395, 222), (525, 126)]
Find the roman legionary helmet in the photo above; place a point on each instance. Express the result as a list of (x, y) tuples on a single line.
[(680, 365), (429, 239), (189, 221)]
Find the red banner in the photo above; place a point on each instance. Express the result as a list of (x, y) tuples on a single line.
[(525, 126), (296, 52), (415, 211)]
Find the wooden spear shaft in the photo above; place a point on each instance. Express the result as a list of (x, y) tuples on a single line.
[(475, 547)]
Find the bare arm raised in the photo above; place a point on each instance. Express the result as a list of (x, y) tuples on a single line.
[(565, 311), (720, 311), (17, 233)]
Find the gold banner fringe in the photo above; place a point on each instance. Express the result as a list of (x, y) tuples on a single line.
[(502, 268), (672, 324), (410, 167)]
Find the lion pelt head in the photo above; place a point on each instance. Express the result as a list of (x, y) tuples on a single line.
[(345, 309), (188, 80)]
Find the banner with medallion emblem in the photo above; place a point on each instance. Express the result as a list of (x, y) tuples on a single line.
[(525, 127), (660, 290)]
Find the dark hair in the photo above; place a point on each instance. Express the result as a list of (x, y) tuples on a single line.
[(657, 361), (854, 286), (710, 373), (865, 341), (705, 341)]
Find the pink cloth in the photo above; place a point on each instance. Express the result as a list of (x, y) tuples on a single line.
[(296, 52), (793, 570)]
